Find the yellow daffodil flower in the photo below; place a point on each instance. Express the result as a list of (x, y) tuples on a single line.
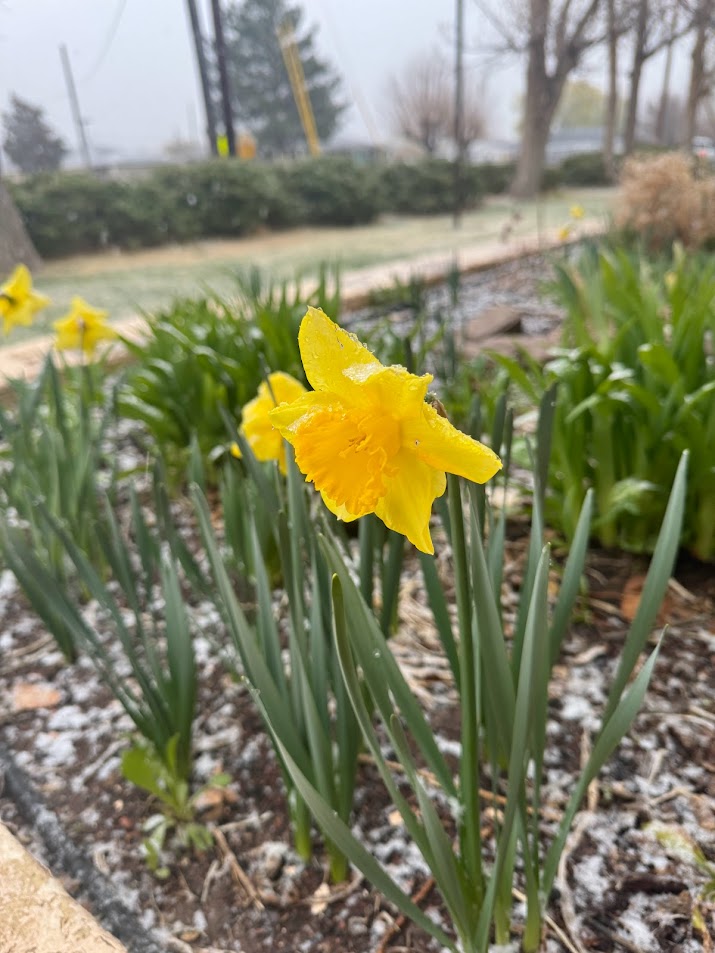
[(564, 233), (83, 328), (262, 437), (577, 211), (366, 437), (18, 302)]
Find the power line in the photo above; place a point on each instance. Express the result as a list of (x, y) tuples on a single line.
[(108, 40), (355, 91)]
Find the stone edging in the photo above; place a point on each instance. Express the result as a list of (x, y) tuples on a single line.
[(64, 854)]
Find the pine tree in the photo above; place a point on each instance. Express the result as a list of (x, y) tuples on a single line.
[(29, 142), (262, 97)]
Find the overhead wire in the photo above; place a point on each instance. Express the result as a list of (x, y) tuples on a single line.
[(108, 41), (359, 100)]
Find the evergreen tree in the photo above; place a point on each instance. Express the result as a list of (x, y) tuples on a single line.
[(263, 99), (29, 142)]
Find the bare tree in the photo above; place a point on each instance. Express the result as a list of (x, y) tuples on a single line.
[(618, 14), (655, 28), (553, 35), (665, 97), (422, 102), (702, 73), (667, 119)]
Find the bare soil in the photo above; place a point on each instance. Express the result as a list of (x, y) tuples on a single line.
[(621, 888)]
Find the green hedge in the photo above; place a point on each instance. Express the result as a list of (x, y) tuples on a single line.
[(74, 213)]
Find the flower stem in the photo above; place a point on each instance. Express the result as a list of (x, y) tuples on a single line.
[(470, 840), (301, 827)]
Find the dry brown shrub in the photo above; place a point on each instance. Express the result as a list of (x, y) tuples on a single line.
[(664, 200)]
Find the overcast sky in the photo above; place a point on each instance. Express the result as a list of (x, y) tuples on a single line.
[(136, 79)]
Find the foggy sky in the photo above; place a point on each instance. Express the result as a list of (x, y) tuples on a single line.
[(138, 86)]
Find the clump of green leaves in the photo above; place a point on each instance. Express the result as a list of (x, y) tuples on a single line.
[(146, 621), (52, 460), (503, 687), (176, 818), (269, 531), (204, 359), (636, 382)]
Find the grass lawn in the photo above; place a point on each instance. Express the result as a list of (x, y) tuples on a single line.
[(128, 282)]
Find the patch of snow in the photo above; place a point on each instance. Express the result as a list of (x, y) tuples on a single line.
[(447, 746), (632, 922), (589, 872), (576, 708), (8, 584), (56, 748)]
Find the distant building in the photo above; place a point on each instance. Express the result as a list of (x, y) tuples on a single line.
[(575, 141)]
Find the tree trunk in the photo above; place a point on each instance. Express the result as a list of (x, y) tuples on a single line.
[(539, 106), (629, 138), (665, 91), (697, 72), (609, 125), (532, 157), (15, 245)]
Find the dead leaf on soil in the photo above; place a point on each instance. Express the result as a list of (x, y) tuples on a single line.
[(320, 900), (213, 799), (28, 696), (677, 603)]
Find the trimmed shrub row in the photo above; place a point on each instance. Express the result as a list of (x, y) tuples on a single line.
[(75, 213)]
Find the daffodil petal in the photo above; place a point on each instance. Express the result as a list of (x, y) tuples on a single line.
[(288, 417), (328, 352), (263, 438), (281, 386), (337, 509), (440, 445), (395, 389), (406, 506), (19, 284)]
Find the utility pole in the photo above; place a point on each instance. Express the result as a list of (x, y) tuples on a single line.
[(204, 76), (223, 77), (74, 104), (458, 112)]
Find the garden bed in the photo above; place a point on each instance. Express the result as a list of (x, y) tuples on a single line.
[(621, 888), (639, 866)]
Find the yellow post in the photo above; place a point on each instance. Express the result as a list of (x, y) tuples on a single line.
[(289, 49)]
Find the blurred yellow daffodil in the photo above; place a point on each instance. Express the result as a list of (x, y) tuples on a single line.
[(577, 211), (18, 302), (564, 233), (262, 437), (671, 279), (366, 437), (83, 328)]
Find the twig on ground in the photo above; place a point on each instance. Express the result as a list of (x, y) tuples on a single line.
[(399, 923), (568, 910), (598, 926), (337, 893), (239, 874)]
